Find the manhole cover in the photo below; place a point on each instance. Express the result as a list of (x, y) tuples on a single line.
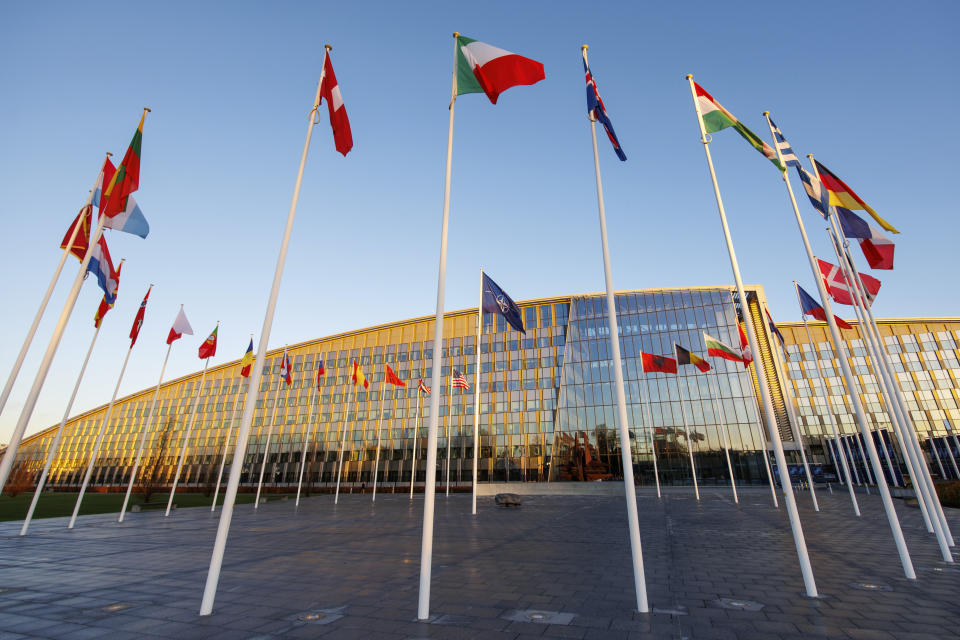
[(871, 586), (738, 604)]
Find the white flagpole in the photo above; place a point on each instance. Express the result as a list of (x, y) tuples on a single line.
[(630, 492), (722, 424), (416, 438), (430, 479), (266, 446), (376, 463), (693, 467), (96, 447), (31, 332), (476, 398), (343, 439), (826, 395), (55, 445), (226, 449), (449, 419), (853, 463), (795, 525), (185, 445), (143, 435), (253, 390), (935, 454), (653, 444), (314, 399)]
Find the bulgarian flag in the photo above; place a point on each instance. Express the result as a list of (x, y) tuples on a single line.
[(717, 349), (482, 68), (716, 118)]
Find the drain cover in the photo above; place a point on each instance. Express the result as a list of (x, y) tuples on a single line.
[(738, 604), (871, 586)]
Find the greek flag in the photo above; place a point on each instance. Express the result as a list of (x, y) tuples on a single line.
[(789, 157), (819, 197)]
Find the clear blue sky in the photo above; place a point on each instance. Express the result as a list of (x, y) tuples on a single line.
[(865, 86)]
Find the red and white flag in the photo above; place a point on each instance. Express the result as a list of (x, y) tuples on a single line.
[(138, 321), (459, 380), (745, 352), (839, 288), (330, 91), (877, 249), (180, 326)]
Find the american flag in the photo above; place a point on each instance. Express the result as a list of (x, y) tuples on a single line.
[(459, 380), (421, 387)]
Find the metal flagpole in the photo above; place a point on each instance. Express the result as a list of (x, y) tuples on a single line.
[(946, 423), (795, 525), (630, 493), (55, 445), (826, 394), (449, 418), (31, 332), (96, 447), (143, 435), (950, 457), (693, 467), (376, 464), (266, 446), (722, 424), (186, 435), (314, 398), (253, 391), (935, 454), (476, 398), (653, 444), (343, 439), (416, 438), (853, 463), (226, 449)]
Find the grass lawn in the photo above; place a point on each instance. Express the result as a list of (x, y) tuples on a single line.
[(56, 505)]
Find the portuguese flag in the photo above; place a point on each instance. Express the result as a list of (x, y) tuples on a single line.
[(717, 349), (686, 357), (126, 180), (482, 68), (209, 347), (716, 118)]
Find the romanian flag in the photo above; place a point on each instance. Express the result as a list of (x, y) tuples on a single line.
[(209, 347), (843, 196), (686, 357), (358, 377), (652, 363), (247, 361), (126, 180), (393, 379)]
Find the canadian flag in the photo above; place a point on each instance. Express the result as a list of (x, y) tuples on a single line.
[(839, 288), (330, 91)]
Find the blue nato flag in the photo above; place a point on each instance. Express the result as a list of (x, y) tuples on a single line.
[(496, 300)]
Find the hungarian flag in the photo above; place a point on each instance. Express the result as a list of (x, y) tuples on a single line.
[(652, 363), (843, 196), (82, 239), (105, 305), (482, 68), (812, 308), (422, 388), (686, 357), (209, 347), (393, 379), (717, 349), (716, 118), (246, 362), (180, 326), (126, 180), (285, 369), (101, 266), (358, 378), (330, 91), (744, 346), (138, 321), (838, 286)]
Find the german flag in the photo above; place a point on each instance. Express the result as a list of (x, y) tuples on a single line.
[(662, 364), (686, 357), (843, 196)]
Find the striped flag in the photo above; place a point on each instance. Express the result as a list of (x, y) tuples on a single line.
[(422, 388), (247, 361), (459, 380), (285, 369), (786, 151), (819, 197), (358, 377)]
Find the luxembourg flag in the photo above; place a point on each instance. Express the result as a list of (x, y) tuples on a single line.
[(101, 266), (130, 220)]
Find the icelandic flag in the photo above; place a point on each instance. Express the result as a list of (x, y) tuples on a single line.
[(789, 157), (819, 197), (102, 268), (596, 109), (130, 220), (811, 308)]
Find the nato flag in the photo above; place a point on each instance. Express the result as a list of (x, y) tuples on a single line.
[(496, 300)]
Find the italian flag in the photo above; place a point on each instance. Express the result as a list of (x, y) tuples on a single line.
[(717, 349), (482, 68), (716, 118)]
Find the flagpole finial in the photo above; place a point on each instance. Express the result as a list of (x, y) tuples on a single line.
[(689, 76), (147, 109), (766, 113), (810, 155), (109, 154), (456, 34), (328, 47), (584, 47)]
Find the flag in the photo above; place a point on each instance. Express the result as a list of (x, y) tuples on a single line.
[(101, 266), (209, 347), (786, 151), (716, 118), (877, 248), (459, 381), (130, 220), (652, 363), (246, 362), (180, 326), (285, 369), (773, 327), (597, 111), (717, 349), (496, 300), (358, 378), (320, 373), (819, 197), (106, 306), (744, 346), (843, 196), (106, 175), (138, 321), (482, 68), (838, 287), (82, 239), (422, 388), (812, 308), (126, 180), (686, 357), (393, 379), (330, 91)]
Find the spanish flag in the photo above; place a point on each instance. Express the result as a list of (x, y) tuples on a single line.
[(247, 361), (843, 196), (358, 378)]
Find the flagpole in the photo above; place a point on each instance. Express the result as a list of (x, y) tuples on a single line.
[(266, 446), (314, 398), (653, 444), (186, 435), (946, 423), (416, 437), (55, 445), (253, 391), (630, 493), (31, 332), (376, 463), (725, 434), (476, 398), (795, 525), (226, 449), (143, 434), (686, 430), (833, 422), (96, 447), (429, 489), (343, 439), (449, 419)]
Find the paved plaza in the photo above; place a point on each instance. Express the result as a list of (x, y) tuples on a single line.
[(559, 566)]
